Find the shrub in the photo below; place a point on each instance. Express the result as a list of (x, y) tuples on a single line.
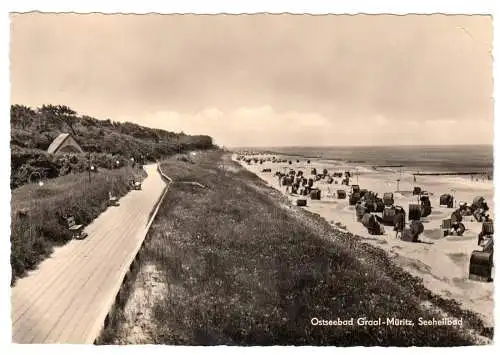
[(32, 131), (38, 213), (27, 161)]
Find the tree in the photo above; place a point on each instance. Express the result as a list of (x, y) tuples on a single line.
[(62, 114), (68, 116), (21, 116)]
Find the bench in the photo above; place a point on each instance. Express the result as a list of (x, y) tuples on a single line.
[(75, 229), (113, 200), (136, 185)]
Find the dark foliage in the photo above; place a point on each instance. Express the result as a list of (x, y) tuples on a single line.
[(37, 213), (33, 130)]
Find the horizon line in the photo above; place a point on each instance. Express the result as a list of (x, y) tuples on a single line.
[(361, 146)]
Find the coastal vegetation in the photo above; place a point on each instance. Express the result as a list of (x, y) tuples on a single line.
[(103, 141), (47, 187), (38, 212), (238, 265)]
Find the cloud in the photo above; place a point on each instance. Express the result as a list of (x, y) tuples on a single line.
[(440, 122), (413, 67), (381, 120), (265, 126)]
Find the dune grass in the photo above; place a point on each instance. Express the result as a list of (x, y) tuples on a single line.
[(243, 268), (38, 212)]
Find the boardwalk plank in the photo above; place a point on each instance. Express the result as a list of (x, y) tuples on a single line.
[(64, 300)]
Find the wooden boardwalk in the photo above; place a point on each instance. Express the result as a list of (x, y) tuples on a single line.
[(67, 298)]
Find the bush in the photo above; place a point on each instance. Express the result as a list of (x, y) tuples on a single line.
[(27, 161), (32, 131), (38, 213)]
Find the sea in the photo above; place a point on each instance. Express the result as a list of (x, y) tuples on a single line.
[(425, 159)]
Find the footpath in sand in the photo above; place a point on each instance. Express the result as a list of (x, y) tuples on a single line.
[(442, 262), (67, 298)]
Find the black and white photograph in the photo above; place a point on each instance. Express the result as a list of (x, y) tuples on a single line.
[(251, 180)]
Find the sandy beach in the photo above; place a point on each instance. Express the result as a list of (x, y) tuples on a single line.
[(442, 262)]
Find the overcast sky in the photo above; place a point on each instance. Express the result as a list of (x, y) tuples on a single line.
[(266, 80)]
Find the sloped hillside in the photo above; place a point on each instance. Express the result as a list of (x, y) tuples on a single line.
[(33, 129)]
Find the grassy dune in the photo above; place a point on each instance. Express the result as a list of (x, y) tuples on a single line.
[(37, 213), (238, 266)]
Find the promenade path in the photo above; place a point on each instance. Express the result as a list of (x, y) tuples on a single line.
[(67, 298)]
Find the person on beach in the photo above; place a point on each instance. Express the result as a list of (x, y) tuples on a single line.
[(399, 224)]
